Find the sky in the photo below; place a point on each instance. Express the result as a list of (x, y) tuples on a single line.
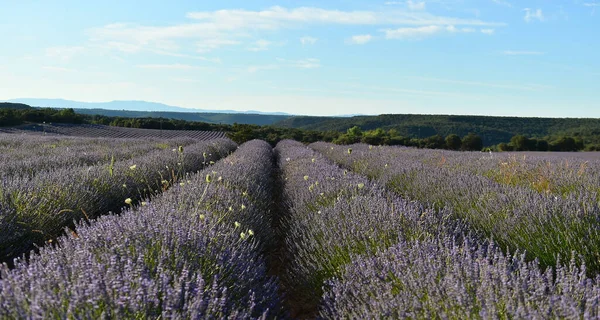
[(487, 57)]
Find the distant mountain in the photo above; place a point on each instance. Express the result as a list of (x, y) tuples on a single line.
[(222, 118), (209, 117), (133, 105)]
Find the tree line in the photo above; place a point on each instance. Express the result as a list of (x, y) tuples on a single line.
[(13, 116)]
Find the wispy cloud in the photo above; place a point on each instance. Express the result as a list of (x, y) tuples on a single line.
[(64, 53), (412, 5), (592, 5), (310, 63), (306, 40), (411, 33), (212, 30), (207, 45), (260, 45), (57, 69), (184, 80), (531, 15), (522, 53), (254, 69), (423, 32), (415, 5), (503, 3), (176, 66), (488, 31), (360, 39)]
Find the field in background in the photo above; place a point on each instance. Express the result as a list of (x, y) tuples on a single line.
[(92, 130)]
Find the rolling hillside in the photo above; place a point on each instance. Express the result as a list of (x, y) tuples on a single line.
[(493, 130)]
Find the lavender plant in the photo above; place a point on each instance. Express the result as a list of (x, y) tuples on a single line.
[(190, 253), (518, 217), (49, 201), (24, 156), (334, 215), (439, 278)]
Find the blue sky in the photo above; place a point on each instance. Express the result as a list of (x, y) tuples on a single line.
[(490, 57)]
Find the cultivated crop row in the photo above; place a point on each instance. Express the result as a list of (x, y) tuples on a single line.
[(433, 268), (544, 224), (24, 156), (94, 130), (36, 209), (335, 216), (390, 234), (194, 252)]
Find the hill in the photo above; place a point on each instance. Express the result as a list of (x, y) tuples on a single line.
[(223, 118), (131, 105), (11, 105), (492, 130), (144, 109)]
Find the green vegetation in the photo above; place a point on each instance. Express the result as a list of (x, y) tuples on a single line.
[(492, 130), (421, 131), (218, 118)]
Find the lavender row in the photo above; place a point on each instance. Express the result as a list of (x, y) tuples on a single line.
[(445, 279), (334, 216), (96, 130), (191, 253), (24, 156), (37, 209), (516, 217)]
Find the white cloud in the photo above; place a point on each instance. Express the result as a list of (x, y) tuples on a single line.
[(503, 3), (57, 69), (453, 29), (253, 69), (208, 45), (423, 32), (488, 31), (592, 5), (531, 15), (260, 45), (310, 63), (215, 29), (64, 53), (522, 53), (184, 80), (408, 33), (123, 46), (176, 66), (360, 39), (415, 5), (306, 40)]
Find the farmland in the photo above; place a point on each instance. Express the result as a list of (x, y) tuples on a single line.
[(128, 223)]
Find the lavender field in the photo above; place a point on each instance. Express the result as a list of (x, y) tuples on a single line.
[(187, 228)]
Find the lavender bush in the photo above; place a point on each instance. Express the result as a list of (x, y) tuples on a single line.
[(443, 279), (46, 203), (516, 216), (188, 254), (335, 215), (24, 156)]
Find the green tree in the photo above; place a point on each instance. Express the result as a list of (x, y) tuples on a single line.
[(453, 142), (520, 142), (503, 146), (435, 142), (472, 142)]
